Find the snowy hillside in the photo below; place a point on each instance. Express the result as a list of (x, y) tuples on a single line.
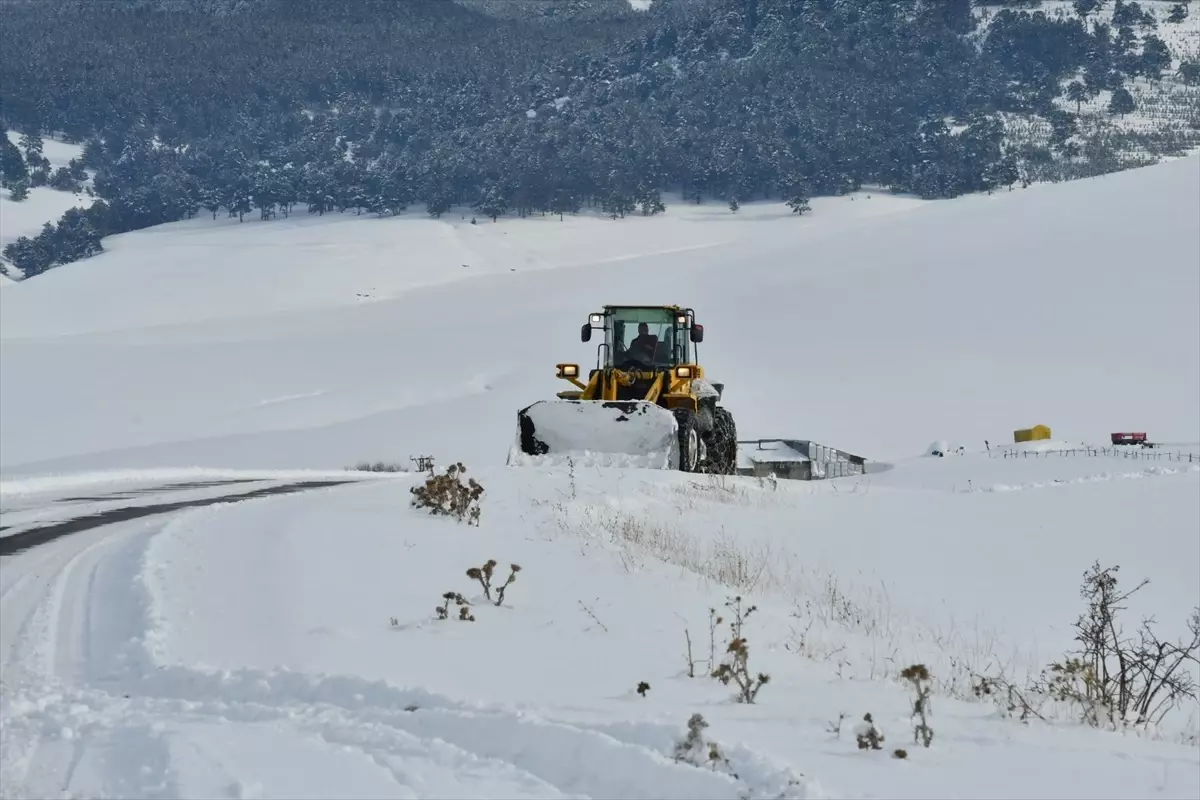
[(288, 646), (873, 332), (1166, 109)]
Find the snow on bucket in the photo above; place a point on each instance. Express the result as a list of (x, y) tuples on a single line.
[(621, 433)]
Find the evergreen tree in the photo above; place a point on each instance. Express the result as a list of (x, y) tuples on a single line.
[(798, 203), (12, 163), (1121, 102), (491, 202), (1077, 93), (31, 145), (1156, 57), (75, 238)]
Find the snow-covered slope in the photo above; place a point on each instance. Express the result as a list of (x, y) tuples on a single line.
[(288, 647), (872, 333)]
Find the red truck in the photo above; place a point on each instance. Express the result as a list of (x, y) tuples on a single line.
[(1131, 438)]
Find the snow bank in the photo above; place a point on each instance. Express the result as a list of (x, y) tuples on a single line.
[(941, 448)]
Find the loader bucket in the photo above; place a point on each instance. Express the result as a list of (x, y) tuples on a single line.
[(624, 433)]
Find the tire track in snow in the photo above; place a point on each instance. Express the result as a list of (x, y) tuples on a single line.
[(15, 543), (48, 611)]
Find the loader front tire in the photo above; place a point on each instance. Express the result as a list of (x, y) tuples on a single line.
[(689, 440), (722, 444)]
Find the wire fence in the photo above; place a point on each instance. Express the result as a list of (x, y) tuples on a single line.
[(1131, 453)]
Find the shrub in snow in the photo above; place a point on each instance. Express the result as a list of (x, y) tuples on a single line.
[(868, 735), (695, 749), (378, 466), (1112, 680), (448, 495), (484, 576), (737, 666), (1008, 696), (1118, 680), (642, 688)]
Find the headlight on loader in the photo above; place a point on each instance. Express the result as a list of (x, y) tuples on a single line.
[(683, 372), (568, 370)]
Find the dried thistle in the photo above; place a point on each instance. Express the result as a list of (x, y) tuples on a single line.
[(464, 614), (484, 575), (447, 495)]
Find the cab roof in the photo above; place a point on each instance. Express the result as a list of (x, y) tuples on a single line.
[(644, 305)]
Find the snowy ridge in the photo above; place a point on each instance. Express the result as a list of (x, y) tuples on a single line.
[(1099, 477)]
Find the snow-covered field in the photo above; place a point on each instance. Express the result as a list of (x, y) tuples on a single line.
[(287, 646)]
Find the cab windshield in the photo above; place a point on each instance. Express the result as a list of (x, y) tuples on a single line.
[(646, 337)]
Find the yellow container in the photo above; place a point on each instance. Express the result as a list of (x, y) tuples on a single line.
[(1036, 433)]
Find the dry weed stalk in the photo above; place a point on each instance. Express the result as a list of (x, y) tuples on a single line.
[(918, 676), (737, 669)]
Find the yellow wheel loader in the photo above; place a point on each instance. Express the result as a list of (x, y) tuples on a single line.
[(646, 404)]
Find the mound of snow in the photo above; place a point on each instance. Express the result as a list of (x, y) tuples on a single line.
[(643, 434), (943, 447)]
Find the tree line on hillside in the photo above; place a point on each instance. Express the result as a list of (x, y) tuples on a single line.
[(375, 106)]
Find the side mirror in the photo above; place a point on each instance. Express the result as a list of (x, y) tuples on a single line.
[(697, 333), (585, 333)]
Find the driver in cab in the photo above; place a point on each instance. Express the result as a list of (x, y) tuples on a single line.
[(644, 346)]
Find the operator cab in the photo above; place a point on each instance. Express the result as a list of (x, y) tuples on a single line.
[(645, 338)]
